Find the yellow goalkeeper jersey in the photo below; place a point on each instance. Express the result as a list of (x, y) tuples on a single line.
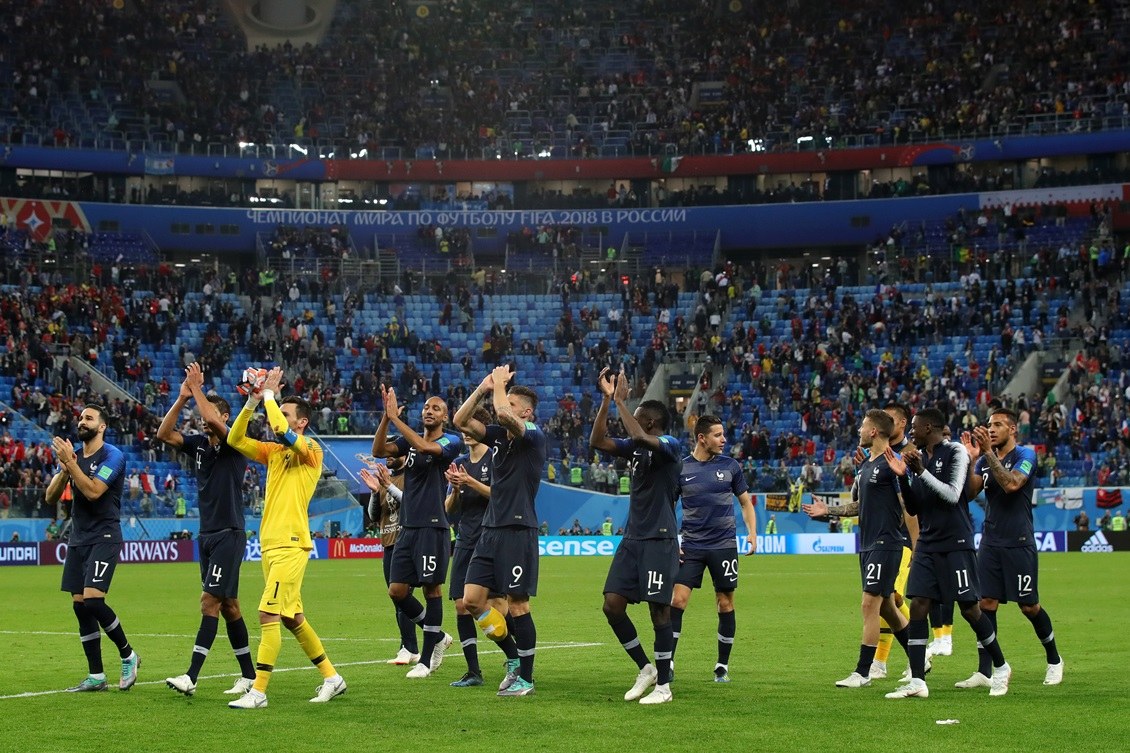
[(292, 473)]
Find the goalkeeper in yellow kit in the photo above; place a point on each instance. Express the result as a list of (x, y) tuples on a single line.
[(294, 465)]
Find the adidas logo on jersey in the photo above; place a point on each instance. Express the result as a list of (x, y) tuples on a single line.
[(1097, 543)]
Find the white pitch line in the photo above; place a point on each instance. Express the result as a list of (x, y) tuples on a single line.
[(541, 647), (177, 635)]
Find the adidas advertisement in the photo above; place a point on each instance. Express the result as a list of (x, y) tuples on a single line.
[(1098, 541)]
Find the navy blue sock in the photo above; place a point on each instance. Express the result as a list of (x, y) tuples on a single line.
[(986, 630), (433, 628), (625, 631), (918, 631), (676, 629), (205, 636), (469, 639), (664, 647), (984, 661), (240, 643), (866, 656), (90, 636), (902, 636), (111, 624), (526, 638), (1042, 624), (726, 628), (407, 632)]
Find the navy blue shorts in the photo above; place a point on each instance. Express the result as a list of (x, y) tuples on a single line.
[(644, 570), (505, 561), (221, 554), (1009, 574), (944, 576), (90, 566), (878, 571), (722, 564), (421, 557), (460, 561)]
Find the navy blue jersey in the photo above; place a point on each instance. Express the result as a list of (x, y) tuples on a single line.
[(99, 521), (655, 487), (881, 525), (708, 489), (518, 463), (902, 445), (425, 487), (472, 505), (938, 498), (1008, 517), (219, 482)]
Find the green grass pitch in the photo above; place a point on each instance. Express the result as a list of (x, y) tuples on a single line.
[(798, 632)]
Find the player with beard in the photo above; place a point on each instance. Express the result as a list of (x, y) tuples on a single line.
[(96, 477), (422, 550), (1007, 559)]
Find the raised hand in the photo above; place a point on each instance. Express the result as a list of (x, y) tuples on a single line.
[(383, 474), (622, 387), (64, 450), (502, 375), (970, 446), (815, 509), (371, 481), (388, 396), (606, 382), (983, 440), (859, 457), (897, 462), (487, 385), (273, 380), (913, 459)]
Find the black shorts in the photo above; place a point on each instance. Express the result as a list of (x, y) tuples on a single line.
[(460, 561), (944, 576), (1009, 574), (421, 557), (505, 561), (644, 570), (386, 562), (722, 563), (90, 566), (221, 554), (878, 570)]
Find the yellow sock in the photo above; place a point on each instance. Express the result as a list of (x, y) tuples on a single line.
[(886, 638), (493, 624), (947, 630), (905, 609), (270, 643), (939, 632), (312, 645)]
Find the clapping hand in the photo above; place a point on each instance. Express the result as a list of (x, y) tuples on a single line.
[(913, 459), (606, 382), (895, 461)]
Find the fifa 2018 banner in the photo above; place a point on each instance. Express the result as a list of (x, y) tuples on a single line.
[(16, 553), (346, 549), (181, 550)]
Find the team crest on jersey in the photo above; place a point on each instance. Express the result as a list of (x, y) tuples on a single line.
[(720, 475)]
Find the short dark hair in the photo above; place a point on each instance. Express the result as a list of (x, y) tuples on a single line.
[(1012, 416), (524, 392), (302, 407), (900, 409), (881, 421), (705, 423), (932, 416), (103, 416), (658, 412), (223, 406)]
